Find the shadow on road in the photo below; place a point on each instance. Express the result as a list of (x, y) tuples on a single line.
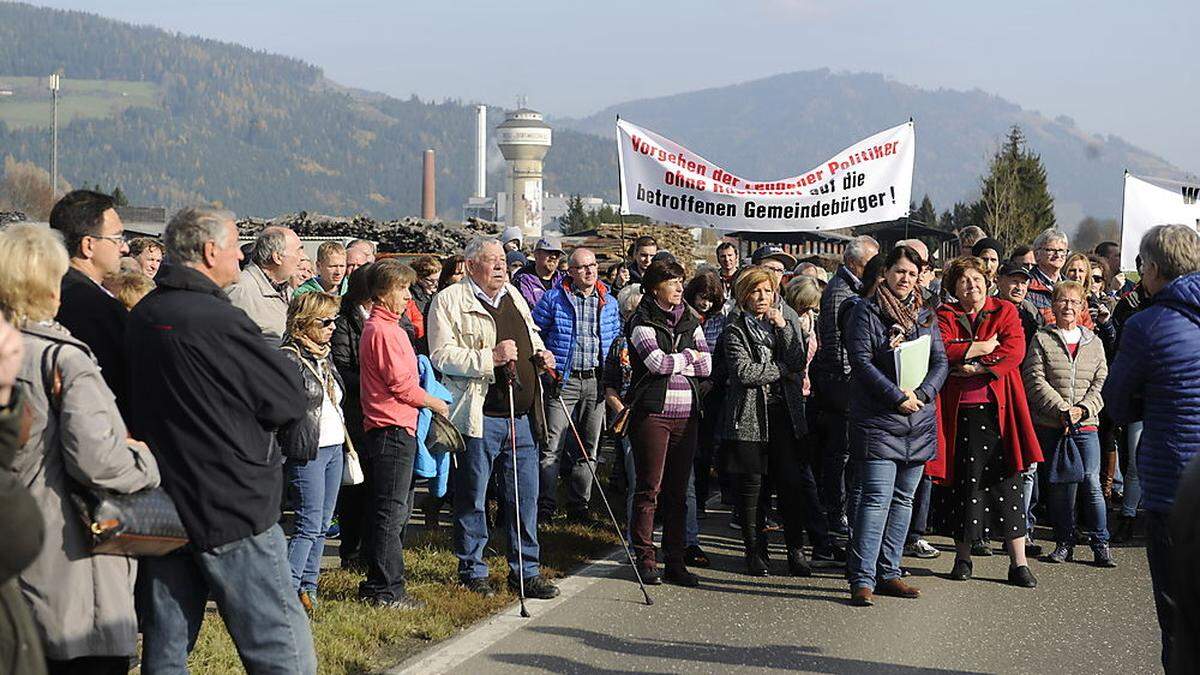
[(779, 657)]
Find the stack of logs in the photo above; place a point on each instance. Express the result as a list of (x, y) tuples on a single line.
[(409, 235), (605, 241)]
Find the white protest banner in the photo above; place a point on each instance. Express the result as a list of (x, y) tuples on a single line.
[(868, 182), (1154, 201)]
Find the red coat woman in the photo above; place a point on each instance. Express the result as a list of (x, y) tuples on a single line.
[(999, 319), (986, 436)]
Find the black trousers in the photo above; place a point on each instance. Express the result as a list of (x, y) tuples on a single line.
[(352, 504), (789, 472), (391, 454)]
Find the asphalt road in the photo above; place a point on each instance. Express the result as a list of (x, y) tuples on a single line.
[(1080, 619)]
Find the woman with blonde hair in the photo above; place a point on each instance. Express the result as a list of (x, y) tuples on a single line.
[(313, 445), (83, 603)]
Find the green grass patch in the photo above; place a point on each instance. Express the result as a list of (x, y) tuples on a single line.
[(355, 638), (29, 104)]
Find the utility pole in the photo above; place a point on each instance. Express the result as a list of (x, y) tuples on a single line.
[(53, 135)]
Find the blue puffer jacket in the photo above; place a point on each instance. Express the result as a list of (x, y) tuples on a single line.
[(1155, 377), (877, 429), (555, 318)]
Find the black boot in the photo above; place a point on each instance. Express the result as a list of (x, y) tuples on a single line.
[(798, 565), (756, 564)]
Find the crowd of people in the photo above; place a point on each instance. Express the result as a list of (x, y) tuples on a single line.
[(859, 409)]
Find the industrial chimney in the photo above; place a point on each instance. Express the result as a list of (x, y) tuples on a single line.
[(428, 189), (480, 151)]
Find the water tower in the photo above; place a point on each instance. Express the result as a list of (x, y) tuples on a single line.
[(524, 140)]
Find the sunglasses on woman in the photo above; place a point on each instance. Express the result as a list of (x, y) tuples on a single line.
[(326, 323)]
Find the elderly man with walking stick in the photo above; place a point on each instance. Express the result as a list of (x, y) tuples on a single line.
[(482, 338)]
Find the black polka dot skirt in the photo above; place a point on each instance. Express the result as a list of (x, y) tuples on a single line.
[(985, 502)]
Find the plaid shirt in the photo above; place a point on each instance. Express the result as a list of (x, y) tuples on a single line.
[(586, 354)]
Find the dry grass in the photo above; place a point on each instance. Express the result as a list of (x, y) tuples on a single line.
[(355, 638)]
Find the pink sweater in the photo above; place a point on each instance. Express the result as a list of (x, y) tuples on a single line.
[(388, 381)]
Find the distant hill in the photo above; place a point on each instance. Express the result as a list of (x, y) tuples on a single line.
[(259, 133), (782, 125)]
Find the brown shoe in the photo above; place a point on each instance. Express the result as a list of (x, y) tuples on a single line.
[(861, 596), (896, 588)]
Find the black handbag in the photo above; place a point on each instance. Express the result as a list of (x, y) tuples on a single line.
[(144, 523)]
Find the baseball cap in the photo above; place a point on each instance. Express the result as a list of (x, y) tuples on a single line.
[(510, 234), (549, 244), (1009, 267), (774, 252)]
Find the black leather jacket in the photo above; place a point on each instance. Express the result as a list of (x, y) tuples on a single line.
[(300, 439)]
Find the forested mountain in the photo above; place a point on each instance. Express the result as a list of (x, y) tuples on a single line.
[(259, 133), (782, 125)]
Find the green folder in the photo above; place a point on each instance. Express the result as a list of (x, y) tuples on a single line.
[(912, 362)]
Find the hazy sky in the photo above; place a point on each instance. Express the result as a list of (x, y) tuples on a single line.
[(1115, 67)]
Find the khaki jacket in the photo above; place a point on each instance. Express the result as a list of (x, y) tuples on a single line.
[(1055, 382), (83, 604), (265, 304), (461, 337)]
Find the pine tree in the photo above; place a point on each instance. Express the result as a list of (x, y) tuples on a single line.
[(119, 197), (575, 218), (925, 213), (1016, 203)]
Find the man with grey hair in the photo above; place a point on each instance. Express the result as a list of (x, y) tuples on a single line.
[(481, 337), (263, 290), (831, 377), (358, 253), (1155, 378), (207, 395), (1050, 251)]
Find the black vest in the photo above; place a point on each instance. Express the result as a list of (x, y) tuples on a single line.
[(648, 391)]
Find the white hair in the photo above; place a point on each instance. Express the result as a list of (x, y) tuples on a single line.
[(1174, 249), (476, 246), (1048, 235), (856, 250)]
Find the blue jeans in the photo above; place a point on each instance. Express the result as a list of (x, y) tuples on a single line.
[(1063, 495), (881, 520), (470, 495), (1133, 485), (250, 581), (920, 515), (837, 484), (1029, 484), (315, 485), (391, 452)]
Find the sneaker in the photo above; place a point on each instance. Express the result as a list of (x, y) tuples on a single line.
[(771, 525), (797, 564), (756, 566), (962, 570), (981, 548), (480, 586), (536, 587), (1022, 576), (1061, 554), (650, 575), (921, 549), (1102, 556), (680, 576), (695, 556), (405, 602), (828, 556), (334, 531)]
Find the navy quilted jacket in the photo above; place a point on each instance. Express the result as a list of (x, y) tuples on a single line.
[(555, 318), (1155, 377)]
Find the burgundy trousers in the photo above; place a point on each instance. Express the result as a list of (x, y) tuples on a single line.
[(663, 448)]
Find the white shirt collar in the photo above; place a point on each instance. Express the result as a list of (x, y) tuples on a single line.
[(483, 297)]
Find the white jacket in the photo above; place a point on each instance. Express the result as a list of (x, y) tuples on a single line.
[(461, 336)]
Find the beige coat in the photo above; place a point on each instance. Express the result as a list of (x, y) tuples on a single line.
[(83, 604), (461, 337), (265, 304), (1054, 382)]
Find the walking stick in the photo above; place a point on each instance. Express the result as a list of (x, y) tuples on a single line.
[(596, 481), (510, 373)]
